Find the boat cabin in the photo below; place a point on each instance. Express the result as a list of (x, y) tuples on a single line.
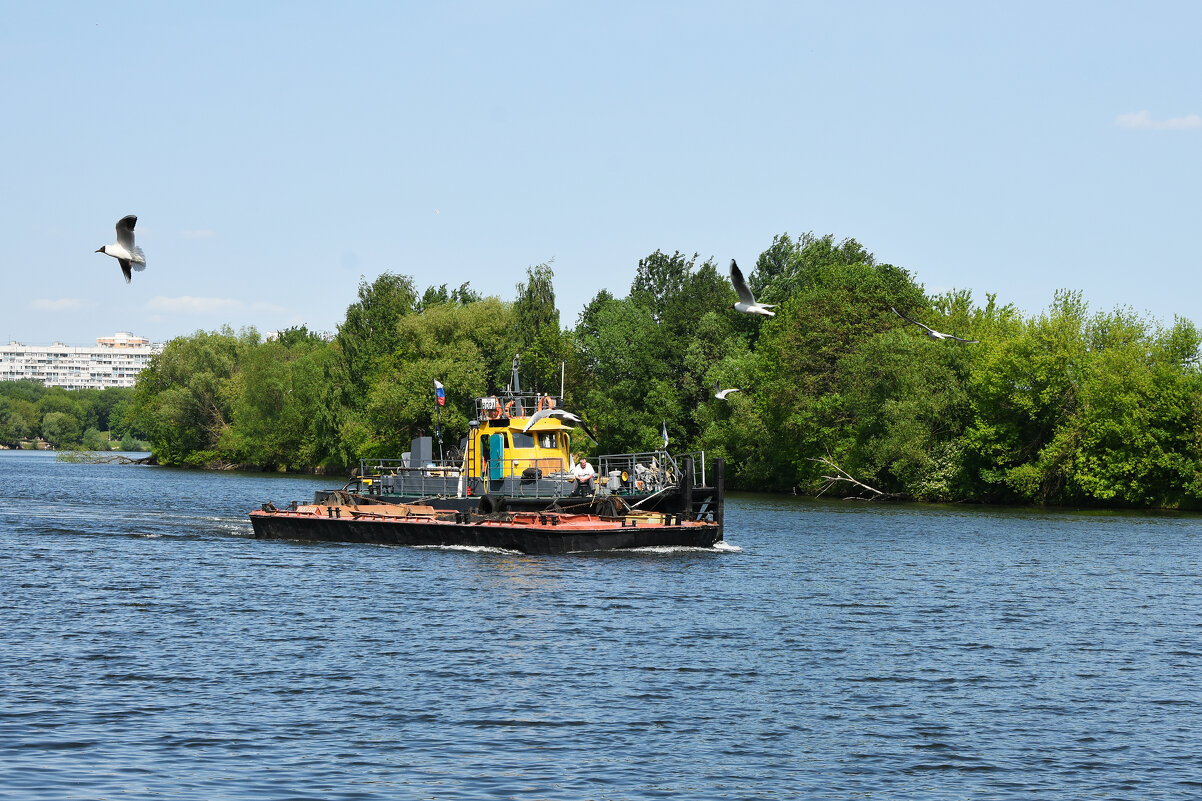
[(509, 438)]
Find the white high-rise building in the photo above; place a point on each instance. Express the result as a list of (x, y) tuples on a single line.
[(114, 362)]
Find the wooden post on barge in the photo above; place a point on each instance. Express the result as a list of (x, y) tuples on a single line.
[(686, 488), (720, 493)]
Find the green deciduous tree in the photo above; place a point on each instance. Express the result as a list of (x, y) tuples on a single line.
[(906, 404), (183, 400), (93, 440), (364, 341), (645, 358), (1023, 389), (275, 395), (464, 347), (833, 305), (14, 426), (60, 429), (539, 338)]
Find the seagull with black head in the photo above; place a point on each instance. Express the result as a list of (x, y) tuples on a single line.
[(127, 254)]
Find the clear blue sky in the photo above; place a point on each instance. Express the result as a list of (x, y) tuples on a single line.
[(275, 153)]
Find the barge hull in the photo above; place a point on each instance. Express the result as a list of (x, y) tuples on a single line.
[(525, 539)]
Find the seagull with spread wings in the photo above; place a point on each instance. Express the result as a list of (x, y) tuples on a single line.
[(127, 254), (559, 414), (720, 393), (747, 302), (931, 332)]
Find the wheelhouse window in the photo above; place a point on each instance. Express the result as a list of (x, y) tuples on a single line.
[(521, 440)]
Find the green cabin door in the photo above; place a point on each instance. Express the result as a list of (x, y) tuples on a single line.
[(496, 457)]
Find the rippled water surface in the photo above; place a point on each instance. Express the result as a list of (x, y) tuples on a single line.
[(149, 648)]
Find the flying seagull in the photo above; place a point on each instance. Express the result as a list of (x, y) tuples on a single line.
[(559, 414), (720, 393), (127, 254), (746, 299), (931, 332)]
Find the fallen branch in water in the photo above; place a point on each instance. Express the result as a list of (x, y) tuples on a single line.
[(843, 477), (97, 457)]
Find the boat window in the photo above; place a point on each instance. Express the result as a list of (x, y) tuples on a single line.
[(521, 440), (547, 442)]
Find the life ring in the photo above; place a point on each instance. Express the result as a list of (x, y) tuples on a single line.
[(546, 402), (509, 408), (494, 413)]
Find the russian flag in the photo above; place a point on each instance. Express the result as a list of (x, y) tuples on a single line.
[(439, 393)]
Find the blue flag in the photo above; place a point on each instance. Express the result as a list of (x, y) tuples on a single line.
[(439, 393), (665, 435)]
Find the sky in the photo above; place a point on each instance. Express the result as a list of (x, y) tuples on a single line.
[(277, 154)]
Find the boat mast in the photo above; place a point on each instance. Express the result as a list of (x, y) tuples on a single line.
[(515, 383)]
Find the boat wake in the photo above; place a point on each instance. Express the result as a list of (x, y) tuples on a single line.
[(468, 549), (721, 547)]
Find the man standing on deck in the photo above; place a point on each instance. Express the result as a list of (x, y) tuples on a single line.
[(583, 474)]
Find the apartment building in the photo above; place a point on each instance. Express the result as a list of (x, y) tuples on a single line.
[(114, 362)]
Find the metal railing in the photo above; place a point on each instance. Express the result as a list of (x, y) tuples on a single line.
[(396, 477), (521, 404), (698, 458), (381, 467), (538, 478), (638, 472), (623, 473), (650, 471)]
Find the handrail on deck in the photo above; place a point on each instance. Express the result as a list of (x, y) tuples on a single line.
[(524, 404), (370, 467), (662, 465)]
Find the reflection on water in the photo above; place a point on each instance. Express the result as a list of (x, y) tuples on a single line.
[(150, 648)]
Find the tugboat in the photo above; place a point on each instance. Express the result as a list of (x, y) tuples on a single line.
[(515, 460)]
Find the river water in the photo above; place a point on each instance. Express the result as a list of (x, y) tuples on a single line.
[(151, 649)]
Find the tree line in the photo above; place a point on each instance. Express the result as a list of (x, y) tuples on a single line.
[(93, 419), (838, 393)]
